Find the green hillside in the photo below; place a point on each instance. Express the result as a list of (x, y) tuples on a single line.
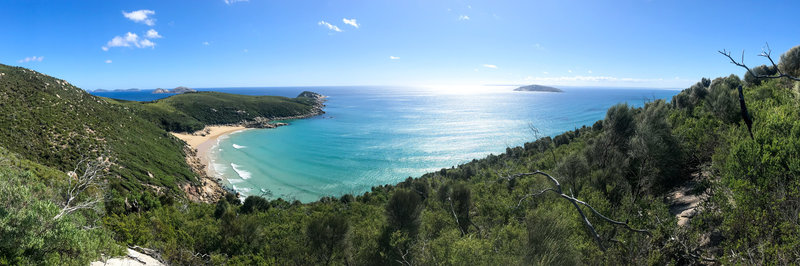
[(50, 121), (190, 112)]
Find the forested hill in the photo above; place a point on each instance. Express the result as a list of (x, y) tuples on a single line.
[(49, 121), (190, 112)]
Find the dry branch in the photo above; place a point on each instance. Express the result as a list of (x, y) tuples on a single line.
[(576, 203), (92, 173), (765, 52)]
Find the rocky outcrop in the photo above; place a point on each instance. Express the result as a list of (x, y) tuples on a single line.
[(180, 89), (206, 189)]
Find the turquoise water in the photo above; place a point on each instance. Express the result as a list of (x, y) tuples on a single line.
[(376, 136)]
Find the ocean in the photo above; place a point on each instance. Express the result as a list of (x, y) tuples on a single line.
[(372, 136)]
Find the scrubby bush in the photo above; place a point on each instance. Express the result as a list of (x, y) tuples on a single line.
[(790, 62)]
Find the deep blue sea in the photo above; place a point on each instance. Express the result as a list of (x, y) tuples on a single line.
[(381, 135)]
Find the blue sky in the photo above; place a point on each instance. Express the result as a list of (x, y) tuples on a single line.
[(219, 43)]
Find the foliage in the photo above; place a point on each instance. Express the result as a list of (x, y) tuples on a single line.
[(790, 62), (29, 232)]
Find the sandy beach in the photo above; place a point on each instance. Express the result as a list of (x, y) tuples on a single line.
[(203, 140)]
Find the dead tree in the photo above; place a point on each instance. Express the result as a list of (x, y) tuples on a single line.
[(92, 173), (576, 203), (765, 52)]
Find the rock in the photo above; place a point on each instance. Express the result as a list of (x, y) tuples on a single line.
[(180, 89)]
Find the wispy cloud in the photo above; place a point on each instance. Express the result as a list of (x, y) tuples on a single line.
[(141, 16), (351, 22), (31, 59), (129, 40), (393, 57), (206, 43), (489, 66), (234, 1), (330, 26), (463, 17), (108, 61), (152, 34)]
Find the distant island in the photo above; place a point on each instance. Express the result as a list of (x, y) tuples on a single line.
[(117, 90), (180, 89), (538, 88)]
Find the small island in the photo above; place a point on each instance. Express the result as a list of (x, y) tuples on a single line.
[(538, 88), (180, 89)]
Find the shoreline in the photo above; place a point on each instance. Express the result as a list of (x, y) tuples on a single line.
[(202, 144)]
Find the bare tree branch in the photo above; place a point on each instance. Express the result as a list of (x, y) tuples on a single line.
[(576, 203), (765, 52), (92, 173)]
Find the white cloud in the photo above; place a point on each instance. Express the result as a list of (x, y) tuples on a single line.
[(463, 17), (153, 34), (351, 22), (570, 71), (141, 16), (393, 57), (330, 27), (545, 72), (234, 1), (146, 43), (469, 6), (108, 61), (489, 66), (206, 43), (590, 72), (31, 59), (129, 40)]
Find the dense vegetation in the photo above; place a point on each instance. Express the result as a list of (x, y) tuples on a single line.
[(625, 166), (29, 233), (52, 122), (190, 112)]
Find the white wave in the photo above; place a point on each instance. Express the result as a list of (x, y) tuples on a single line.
[(238, 146), (241, 172)]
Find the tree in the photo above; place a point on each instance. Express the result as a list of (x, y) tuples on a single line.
[(619, 125), (790, 62), (326, 235), (751, 78), (403, 210), (460, 204), (724, 99), (254, 203)]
